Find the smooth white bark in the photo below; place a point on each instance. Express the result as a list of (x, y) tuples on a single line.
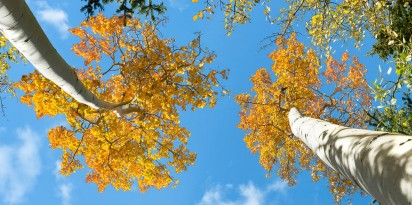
[(378, 162), (19, 26)]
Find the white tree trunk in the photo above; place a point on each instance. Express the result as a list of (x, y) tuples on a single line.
[(380, 163), (20, 27)]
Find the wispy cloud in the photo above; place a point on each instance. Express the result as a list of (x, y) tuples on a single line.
[(58, 166), (65, 188), (20, 166), (216, 196), (278, 186), (65, 191), (252, 195), (248, 194), (179, 4), (54, 16)]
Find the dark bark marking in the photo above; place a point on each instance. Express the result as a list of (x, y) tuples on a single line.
[(404, 142), (27, 39)]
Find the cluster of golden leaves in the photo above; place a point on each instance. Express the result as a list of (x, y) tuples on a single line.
[(235, 11), (330, 20), (153, 78), (8, 54), (298, 84), (348, 19)]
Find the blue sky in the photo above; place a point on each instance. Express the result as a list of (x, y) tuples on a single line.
[(225, 173)]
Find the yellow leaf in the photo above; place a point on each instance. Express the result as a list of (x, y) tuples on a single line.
[(209, 10), (195, 17)]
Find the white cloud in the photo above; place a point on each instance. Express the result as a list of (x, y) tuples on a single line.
[(65, 188), (65, 191), (278, 186), (249, 194), (58, 166), (20, 166), (54, 16), (252, 195), (179, 4), (215, 196)]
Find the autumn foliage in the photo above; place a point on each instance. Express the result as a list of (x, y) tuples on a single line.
[(8, 55), (298, 83), (152, 78), (330, 20)]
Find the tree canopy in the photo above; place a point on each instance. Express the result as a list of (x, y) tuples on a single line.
[(325, 21), (396, 38), (8, 55), (298, 84), (126, 7), (154, 80), (155, 77)]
